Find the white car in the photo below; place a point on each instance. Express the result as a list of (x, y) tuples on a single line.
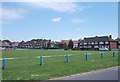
[(104, 49)]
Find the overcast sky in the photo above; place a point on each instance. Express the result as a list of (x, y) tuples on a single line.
[(58, 20)]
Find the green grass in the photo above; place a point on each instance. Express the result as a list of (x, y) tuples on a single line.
[(55, 66)]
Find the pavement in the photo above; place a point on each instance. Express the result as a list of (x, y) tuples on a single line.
[(103, 74)]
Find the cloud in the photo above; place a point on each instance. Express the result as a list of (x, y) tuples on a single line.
[(78, 21), (56, 19), (63, 7), (9, 15)]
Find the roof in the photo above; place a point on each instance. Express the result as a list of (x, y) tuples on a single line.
[(75, 42), (5, 44), (65, 41), (15, 42), (118, 39), (97, 39), (52, 42)]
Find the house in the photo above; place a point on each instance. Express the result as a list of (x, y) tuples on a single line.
[(15, 44), (34, 44), (21, 44), (75, 43), (5, 46), (52, 44), (98, 42), (64, 43), (118, 43)]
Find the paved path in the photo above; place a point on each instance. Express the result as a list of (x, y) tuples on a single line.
[(103, 74)]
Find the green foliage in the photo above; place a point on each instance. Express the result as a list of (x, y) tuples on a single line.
[(70, 44)]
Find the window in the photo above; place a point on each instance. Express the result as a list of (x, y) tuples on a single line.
[(106, 46), (95, 46), (119, 47), (89, 42), (96, 42), (119, 42), (92, 42), (101, 42), (80, 43), (106, 42), (85, 46), (81, 47), (89, 46)]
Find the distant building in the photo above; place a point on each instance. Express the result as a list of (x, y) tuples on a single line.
[(118, 43), (5, 46), (98, 42), (64, 43), (34, 44), (75, 43), (15, 44), (52, 44)]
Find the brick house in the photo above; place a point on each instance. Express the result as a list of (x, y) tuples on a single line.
[(15, 44), (98, 42), (75, 43), (21, 44), (64, 43), (5, 46), (52, 44), (118, 43), (34, 44)]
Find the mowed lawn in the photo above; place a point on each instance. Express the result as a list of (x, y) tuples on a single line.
[(26, 65)]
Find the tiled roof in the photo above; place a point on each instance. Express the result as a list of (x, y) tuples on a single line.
[(5, 44), (97, 39), (75, 42)]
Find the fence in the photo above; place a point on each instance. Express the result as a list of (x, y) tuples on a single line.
[(66, 57)]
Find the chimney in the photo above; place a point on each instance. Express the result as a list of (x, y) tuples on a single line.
[(110, 36)]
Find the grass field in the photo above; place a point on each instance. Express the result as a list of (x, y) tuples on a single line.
[(26, 66)]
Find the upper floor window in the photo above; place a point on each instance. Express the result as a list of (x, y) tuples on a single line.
[(92, 42), (96, 42), (101, 42), (119, 42), (106, 42), (89, 42)]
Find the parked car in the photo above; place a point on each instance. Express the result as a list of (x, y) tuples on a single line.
[(104, 49)]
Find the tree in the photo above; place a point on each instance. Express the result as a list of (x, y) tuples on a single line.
[(48, 44), (70, 44), (7, 41)]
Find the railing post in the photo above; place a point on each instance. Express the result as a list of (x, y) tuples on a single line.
[(67, 58), (102, 55), (41, 60), (4, 63), (86, 56)]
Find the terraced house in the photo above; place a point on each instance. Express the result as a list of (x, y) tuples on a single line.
[(118, 43), (34, 44), (98, 42)]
